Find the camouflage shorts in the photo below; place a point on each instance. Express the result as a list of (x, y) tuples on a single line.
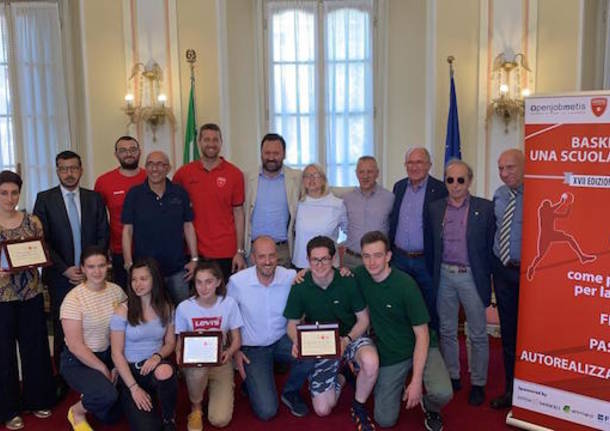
[(324, 374)]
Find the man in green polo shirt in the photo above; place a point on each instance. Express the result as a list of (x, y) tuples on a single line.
[(399, 320), (326, 297)]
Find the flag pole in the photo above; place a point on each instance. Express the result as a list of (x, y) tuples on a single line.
[(191, 59), (191, 152), (450, 60)]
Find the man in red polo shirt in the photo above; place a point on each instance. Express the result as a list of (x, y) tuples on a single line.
[(216, 190), (113, 186)]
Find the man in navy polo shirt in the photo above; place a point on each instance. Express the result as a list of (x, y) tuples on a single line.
[(157, 220)]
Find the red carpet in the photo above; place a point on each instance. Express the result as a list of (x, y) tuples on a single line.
[(458, 415)]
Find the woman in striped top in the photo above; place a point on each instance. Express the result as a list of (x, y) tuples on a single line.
[(86, 364)]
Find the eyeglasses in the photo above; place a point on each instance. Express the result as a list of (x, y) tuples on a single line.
[(320, 260), (315, 176), (417, 163), (130, 150), (64, 169), (460, 180), (156, 165)]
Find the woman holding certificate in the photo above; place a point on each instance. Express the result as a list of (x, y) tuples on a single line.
[(209, 309), (85, 362), (22, 318), (319, 213), (141, 337)]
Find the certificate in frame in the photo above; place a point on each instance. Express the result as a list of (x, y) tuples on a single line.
[(21, 254), (200, 349), (319, 341)]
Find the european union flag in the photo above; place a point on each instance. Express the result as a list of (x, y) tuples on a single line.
[(452, 140)]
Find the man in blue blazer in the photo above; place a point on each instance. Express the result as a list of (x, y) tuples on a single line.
[(413, 195), (72, 218), (460, 233)]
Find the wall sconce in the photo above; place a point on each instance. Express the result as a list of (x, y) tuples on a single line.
[(145, 103), (509, 92)]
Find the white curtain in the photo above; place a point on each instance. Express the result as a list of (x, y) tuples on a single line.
[(349, 86), (320, 82), (292, 82), (41, 114)]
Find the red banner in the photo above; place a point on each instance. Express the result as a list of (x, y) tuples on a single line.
[(562, 375)]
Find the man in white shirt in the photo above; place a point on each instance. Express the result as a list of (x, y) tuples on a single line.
[(261, 292)]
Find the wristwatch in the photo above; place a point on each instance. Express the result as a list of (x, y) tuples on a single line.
[(127, 265), (241, 251)]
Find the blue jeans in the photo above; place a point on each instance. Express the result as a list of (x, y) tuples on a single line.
[(456, 288), (416, 268), (260, 381), (99, 396)]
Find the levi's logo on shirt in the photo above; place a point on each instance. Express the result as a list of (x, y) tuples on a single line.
[(206, 323)]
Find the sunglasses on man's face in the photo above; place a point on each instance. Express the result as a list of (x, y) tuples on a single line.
[(460, 180)]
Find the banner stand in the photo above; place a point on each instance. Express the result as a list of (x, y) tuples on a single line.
[(510, 420)]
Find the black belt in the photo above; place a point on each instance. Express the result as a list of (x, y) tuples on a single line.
[(411, 254), (455, 269), (353, 253)]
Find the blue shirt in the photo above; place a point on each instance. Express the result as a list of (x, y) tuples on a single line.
[(501, 199), (158, 224), (261, 307), (410, 229), (271, 215), (142, 340)]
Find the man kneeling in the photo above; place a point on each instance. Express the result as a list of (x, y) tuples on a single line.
[(325, 296)]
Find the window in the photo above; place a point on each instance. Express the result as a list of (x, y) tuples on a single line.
[(319, 77), (33, 105)]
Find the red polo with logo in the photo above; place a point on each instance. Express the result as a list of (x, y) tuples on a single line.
[(113, 186), (213, 195)]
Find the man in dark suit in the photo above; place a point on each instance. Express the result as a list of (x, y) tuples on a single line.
[(508, 206), (413, 195), (460, 233), (72, 218)]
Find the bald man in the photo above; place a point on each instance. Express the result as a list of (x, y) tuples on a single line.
[(157, 221), (413, 196), (506, 263), (261, 292)]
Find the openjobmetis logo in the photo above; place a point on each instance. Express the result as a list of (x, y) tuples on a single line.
[(598, 106)]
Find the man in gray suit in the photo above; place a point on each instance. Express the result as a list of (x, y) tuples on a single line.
[(272, 194), (460, 231)]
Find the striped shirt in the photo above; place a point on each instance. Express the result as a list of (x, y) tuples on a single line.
[(94, 309)]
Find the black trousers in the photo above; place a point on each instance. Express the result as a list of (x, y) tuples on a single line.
[(224, 264), (24, 322), (57, 294), (164, 391), (506, 287), (119, 275)]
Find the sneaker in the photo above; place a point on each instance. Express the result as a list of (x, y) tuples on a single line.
[(476, 396), (42, 414), (194, 422), (433, 420), (14, 424), (295, 404), (361, 417)]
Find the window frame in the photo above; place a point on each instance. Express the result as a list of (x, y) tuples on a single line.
[(378, 42)]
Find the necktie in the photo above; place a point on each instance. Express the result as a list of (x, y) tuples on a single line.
[(507, 220), (74, 226)]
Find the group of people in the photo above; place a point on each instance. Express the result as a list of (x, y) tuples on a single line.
[(178, 251)]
